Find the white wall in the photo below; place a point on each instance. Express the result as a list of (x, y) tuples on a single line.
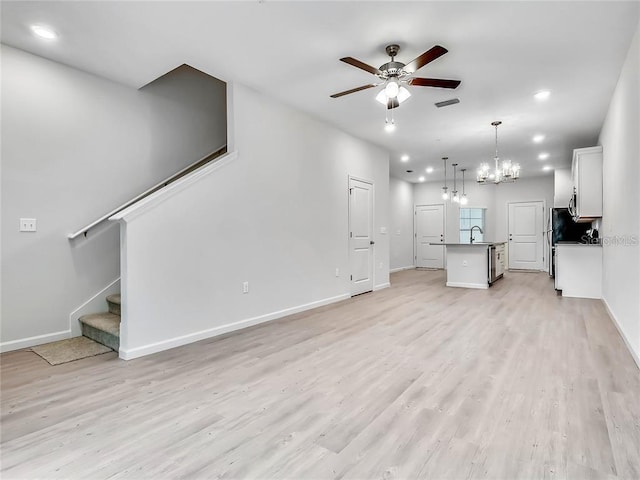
[(495, 198), (401, 224), (75, 146), (277, 217), (621, 202)]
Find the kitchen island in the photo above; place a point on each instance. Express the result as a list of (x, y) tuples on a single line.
[(474, 265)]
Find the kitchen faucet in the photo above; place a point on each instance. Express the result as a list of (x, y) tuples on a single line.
[(475, 226)]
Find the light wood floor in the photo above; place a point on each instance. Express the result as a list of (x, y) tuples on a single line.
[(415, 381)]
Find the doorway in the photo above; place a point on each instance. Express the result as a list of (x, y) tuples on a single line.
[(526, 227), (361, 243), (429, 230)]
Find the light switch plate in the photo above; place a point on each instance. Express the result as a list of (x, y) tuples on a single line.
[(27, 224), (383, 230)]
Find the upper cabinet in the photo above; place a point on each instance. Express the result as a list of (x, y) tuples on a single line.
[(586, 176), (562, 187)]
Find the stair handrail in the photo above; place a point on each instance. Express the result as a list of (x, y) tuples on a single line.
[(194, 166)]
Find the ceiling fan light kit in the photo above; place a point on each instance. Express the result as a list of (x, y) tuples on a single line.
[(507, 173)]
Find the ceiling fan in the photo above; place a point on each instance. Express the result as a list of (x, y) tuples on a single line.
[(396, 74)]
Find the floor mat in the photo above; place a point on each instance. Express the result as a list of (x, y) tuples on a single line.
[(69, 350)]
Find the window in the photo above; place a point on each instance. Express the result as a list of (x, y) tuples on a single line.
[(470, 217)]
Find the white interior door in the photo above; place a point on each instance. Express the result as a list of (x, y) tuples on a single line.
[(526, 236), (361, 236), (429, 229)]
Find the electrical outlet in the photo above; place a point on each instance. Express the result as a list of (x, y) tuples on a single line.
[(245, 287), (337, 272), (27, 224), (380, 265), (465, 263)]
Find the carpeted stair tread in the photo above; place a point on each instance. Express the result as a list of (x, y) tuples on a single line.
[(114, 303), (115, 298), (107, 322)]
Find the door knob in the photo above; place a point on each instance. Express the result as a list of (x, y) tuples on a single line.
[(371, 242)]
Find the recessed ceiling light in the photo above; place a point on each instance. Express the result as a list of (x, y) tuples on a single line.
[(543, 156), (542, 95), (429, 170), (44, 32), (546, 168), (404, 158), (538, 138), (421, 179)]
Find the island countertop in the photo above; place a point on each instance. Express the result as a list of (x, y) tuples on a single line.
[(474, 244)]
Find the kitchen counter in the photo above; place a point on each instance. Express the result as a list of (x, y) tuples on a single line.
[(469, 264), (474, 244), (578, 269), (579, 244)]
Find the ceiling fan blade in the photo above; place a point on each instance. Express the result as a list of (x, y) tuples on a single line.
[(434, 82), (361, 65), (392, 103), (426, 57), (353, 90)]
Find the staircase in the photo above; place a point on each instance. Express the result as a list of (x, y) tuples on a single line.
[(104, 327)]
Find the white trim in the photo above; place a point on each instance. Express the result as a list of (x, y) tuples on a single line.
[(408, 267), (93, 305), (128, 354), (33, 341), (381, 286), (634, 355), (483, 286), (156, 198)]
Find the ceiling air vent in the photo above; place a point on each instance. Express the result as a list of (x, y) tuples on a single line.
[(446, 103)]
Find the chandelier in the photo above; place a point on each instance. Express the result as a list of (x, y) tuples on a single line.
[(507, 173)]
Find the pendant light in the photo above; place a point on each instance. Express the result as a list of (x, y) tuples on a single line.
[(455, 198), (463, 199), (445, 192), (507, 174)]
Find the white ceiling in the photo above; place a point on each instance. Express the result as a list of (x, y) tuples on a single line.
[(503, 52)]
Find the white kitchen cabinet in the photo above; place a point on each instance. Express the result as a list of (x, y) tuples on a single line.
[(586, 176), (562, 187), (579, 270)]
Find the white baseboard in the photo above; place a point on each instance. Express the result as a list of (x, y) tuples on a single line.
[(409, 267), (33, 341), (129, 354), (635, 355), (95, 304), (468, 285), (381, 286)]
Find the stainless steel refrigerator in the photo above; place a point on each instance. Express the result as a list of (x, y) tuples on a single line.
[(562, 228)]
